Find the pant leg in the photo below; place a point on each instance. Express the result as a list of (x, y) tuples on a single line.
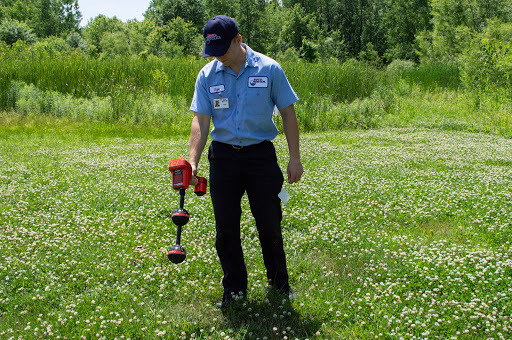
[(226, 191), (264, 182)]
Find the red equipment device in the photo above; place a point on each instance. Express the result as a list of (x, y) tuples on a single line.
[(181, 174)]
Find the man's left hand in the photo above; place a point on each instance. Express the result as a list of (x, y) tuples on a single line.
[(294, 170)]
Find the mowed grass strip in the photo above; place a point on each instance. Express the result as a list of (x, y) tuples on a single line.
[(391, 233)]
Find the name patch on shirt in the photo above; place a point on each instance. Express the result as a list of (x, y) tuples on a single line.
[(258, 81), (217, 88)]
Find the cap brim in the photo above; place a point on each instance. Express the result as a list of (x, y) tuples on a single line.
[(215, 51)]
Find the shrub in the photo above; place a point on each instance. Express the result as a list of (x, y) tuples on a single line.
[(12, 30), (487, 64), (76, 41)]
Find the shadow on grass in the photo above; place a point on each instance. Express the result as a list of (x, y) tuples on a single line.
[(274, 318)]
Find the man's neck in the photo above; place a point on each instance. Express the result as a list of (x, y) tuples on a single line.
[(240, 60)]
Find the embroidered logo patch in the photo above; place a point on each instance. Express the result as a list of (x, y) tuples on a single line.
[(210, 37), (258, 81)]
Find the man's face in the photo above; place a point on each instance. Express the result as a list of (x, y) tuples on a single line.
[(228, 58)]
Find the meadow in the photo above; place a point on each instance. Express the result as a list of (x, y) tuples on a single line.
[(400, 227), (392, 233)]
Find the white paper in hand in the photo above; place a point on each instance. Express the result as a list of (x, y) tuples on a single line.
[(284, 196)]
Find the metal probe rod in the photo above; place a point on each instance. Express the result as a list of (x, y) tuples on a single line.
[(182, 197), (178, 235)]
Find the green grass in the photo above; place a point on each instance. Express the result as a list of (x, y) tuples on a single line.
[(157, 91), (388, 228), (333, 95)]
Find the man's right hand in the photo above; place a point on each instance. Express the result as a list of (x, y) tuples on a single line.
[(198, 136), (193, 179)]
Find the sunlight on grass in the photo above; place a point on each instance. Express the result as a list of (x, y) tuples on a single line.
[(391, 233)]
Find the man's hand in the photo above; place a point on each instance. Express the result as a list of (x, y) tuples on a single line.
[(291, 130), (198, 136), (193, 179), (294, 170)]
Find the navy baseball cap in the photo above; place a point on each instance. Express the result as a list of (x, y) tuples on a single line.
[(218, 33)]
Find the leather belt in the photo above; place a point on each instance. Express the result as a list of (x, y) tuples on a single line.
[(241, 147)]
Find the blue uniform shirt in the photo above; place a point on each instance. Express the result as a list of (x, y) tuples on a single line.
[(241, 106)]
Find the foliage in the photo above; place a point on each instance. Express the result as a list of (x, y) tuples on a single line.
[(97, 27), (377, 31), (161, 12), (332, 47), (20, 10), (182, 33), (76, 41), (487, 63), (403, 20), (298, 27), (455, 23), (370, 55), (115, 44), (52, 46), (12, 31), (333, 94), (44, 17)]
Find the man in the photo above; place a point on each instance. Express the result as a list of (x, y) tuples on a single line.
[(238, 91)]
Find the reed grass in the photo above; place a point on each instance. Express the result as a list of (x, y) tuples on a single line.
[(154, 90)]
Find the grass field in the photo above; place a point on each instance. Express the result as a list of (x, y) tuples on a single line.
[(392, 233)]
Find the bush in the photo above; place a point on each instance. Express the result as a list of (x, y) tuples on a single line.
[(53, 45), (12, 31), (332, 47), (397, 67), (76, 41), (290, 55), (487, 64)]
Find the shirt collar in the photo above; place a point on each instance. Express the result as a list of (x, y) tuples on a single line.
[(251, 60)]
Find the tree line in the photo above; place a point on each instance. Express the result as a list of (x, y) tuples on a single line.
[(376, 31)]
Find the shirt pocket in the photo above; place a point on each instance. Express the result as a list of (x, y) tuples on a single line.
[(259, 100)]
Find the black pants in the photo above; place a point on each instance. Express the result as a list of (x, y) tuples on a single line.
[(233, 172)]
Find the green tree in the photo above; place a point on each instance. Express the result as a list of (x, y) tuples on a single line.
[(114, 43), (251, 24), (44, 17), (183, 33), (76, 41), (487, 63), (402, 21), (137, 34), (69, 15), (456, 21), (20, 10), (357, 21), (332, 47), (298, 26), (162, 11), (12, 30), (55, 17), (96, 28), (225, 7)]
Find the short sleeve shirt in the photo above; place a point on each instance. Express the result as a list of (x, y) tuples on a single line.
[(241, 106)]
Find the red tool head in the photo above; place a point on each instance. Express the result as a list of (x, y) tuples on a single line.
[(181, 173), (200, 187), (177, 254)]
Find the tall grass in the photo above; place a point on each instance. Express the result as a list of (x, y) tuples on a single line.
[(82, 76), (152, 90)]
